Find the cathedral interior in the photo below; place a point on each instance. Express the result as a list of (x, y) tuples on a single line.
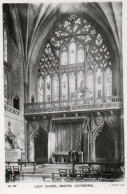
[(63, 83)]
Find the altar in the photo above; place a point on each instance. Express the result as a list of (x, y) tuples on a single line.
[(63, 157)]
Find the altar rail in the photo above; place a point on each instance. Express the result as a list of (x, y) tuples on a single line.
[(106, 103)]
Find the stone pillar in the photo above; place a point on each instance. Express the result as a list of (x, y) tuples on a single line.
[(25, 92), (88, 148), (30, 143), (93, 154), (121, 133), (25, 134), (51, 145), (31, 150), (85, 147)]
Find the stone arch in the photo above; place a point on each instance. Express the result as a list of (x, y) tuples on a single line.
[(16, 102), (97, 132), (36, 48), (40, 138), (33, 134), (36, 126)]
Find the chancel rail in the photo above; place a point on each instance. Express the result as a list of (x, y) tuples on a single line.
[(106, 103)]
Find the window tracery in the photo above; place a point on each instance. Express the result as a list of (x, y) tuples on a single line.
[(78, 60)]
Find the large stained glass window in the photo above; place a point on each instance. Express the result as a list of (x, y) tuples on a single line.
[(72, 85), (72, 52), (48, 88), (64, 86), (5, 84), (90, 84), (75, 62), (80, 84), (5, 44), (99, 83), (6, 67), (64, 57), (40, 88), (108, 82), (55, 91), (80, 55)]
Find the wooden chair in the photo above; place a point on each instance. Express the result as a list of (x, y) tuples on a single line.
[(8, 173), (63, 172), (47, 178), (16, 172), (72, 173), (85, 169)]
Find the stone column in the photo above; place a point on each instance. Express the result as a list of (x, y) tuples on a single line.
[(30, 143), (25, 134), (25, 92), (121, 133), (93, 154), (51, 145), (88, 148), (85, 149), (31, 150)]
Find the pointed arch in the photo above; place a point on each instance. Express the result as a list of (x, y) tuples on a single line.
[(16, 102)]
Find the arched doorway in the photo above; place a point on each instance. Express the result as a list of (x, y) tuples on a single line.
[(41, 146), (105, 146)]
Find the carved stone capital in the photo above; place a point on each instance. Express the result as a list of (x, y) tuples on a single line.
[(99, 120), (112, 121)]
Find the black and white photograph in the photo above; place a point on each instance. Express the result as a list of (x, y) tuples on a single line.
[(63, 93)]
